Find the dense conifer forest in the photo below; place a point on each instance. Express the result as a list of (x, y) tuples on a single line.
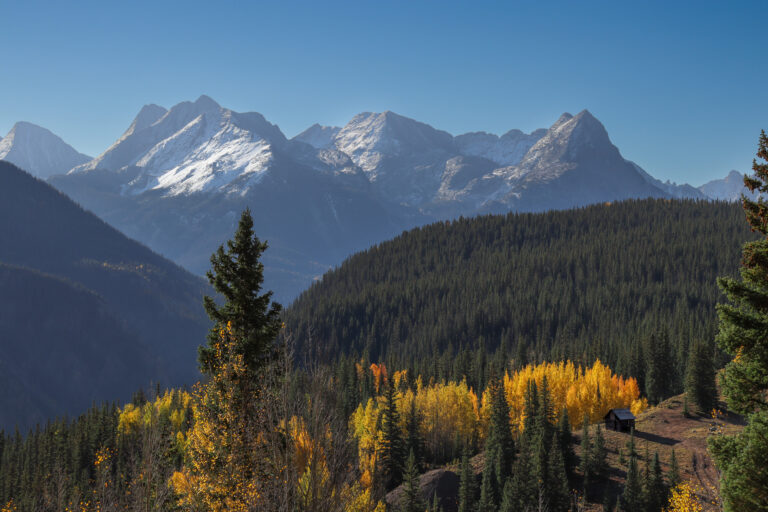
[(605, 281)]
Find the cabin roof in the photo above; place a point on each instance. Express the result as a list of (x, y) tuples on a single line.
[(622, 414)]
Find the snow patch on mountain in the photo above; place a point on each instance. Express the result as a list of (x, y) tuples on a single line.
[(39, 151), (318, 136), (506, 150)]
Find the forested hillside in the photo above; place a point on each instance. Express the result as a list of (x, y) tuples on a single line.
[(79, 296), (596, 282)]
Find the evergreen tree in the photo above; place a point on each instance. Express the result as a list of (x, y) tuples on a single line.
[(508, 500), (700, 378), (599, 459), (411, 500), (237, 274), (566, 441), (557, 488), (467, 484), (414, 441), (499, 445), (673, 477), (742, 334), (392, 458), (525, 488), (659, 374), (632, 498), (655, 490), (488, 499)]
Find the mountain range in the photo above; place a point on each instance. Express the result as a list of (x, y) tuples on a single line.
[(177, 179), (87, 314)]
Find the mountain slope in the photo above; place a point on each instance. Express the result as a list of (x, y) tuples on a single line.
[(576, 284), (41, 152), (122, 314)]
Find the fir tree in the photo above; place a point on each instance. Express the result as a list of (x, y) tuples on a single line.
[(508, 500), (599, 462), (632, 498), (557, 488), (237, 274), (742, 334), (414, 441), (700, 378), (525, 488), (566, 441), (411, 500), (499, 445), (655, 490), (467, 484), (673, 477), (392, 461), (488, 498), (659, 374)]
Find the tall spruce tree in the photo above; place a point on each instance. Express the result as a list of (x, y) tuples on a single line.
[(660, 372), (566, 441), (673, 476), (467, 484), (411, 500), (414, 441), (508, 501), (599, 455), (743, 333), (392, 459), (632, 498), (525, 488), (655, 489), (700, 378), (238, 274), (499, 445)]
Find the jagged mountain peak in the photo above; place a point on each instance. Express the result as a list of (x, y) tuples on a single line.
[(318, 136), (371, 137), (206, 101), (729, 188), (38, 150), (147, 116)]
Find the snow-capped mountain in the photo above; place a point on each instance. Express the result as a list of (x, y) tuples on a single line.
[(178, 178), (318, 136), (506, 150), (193, 147), (729, 188), (38, 151)]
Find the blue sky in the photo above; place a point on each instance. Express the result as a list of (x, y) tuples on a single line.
[(680, 86)]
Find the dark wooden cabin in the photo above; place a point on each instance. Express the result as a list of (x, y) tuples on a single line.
[(620, 420)]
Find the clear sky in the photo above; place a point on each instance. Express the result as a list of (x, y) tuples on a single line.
[(680, 86)]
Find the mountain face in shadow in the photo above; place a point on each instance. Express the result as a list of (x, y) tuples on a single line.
[(85, 312)]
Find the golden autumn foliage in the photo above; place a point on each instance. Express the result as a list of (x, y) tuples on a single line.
[(223, 445), (589, 391), (450, 412), (683, 499)]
